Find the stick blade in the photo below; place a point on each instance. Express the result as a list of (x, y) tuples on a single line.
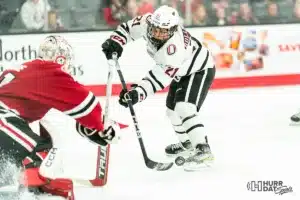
[(159, 166)]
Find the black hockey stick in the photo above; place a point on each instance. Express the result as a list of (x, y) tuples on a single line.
[(149, 163)]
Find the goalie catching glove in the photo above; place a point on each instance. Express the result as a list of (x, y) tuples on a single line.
[(110, 135), (136, 94)]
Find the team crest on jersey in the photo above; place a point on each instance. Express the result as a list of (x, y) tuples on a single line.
[(171, 49)]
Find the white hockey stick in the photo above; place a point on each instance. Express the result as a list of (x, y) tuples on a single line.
[(108, 91)]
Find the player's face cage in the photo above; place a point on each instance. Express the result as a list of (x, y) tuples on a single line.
[(157, 35), (57, 49)]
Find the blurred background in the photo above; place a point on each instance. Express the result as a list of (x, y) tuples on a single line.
[(23, 16)]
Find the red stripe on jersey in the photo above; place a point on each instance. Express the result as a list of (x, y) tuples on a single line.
[(20, 137)]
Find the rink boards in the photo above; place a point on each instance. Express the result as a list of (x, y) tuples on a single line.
[(277, 46)]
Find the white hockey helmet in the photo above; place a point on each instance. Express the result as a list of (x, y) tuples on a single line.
[(162, 24), (56, 49)]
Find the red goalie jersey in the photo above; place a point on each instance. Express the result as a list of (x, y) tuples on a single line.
[(41, 85)]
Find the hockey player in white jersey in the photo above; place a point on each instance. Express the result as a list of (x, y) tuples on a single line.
[(181, 62)]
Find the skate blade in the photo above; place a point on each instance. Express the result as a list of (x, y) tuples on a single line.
[(205, 164)]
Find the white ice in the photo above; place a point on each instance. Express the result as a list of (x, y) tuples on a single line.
[(249, 134)]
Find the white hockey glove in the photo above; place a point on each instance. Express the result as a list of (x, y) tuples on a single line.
[(109, 136)]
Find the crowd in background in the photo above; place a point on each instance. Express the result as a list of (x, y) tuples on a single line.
[(54, 15)]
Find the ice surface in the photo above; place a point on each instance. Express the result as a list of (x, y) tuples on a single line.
[(249, 134)]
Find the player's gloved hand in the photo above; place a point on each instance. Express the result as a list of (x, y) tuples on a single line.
[(108, 136), (110, 46), (136, 94), (111, 133)]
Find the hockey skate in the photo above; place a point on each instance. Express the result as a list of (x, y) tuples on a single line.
[(202, 157), (179, 149)]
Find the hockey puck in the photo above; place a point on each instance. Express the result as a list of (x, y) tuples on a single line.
[(179, 161)]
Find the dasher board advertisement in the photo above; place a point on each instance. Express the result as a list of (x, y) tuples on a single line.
[(244, 55)]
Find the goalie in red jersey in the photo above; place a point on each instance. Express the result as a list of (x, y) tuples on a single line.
[(27, 94)]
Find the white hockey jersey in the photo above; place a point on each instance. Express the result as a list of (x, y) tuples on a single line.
[(182, 55)]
